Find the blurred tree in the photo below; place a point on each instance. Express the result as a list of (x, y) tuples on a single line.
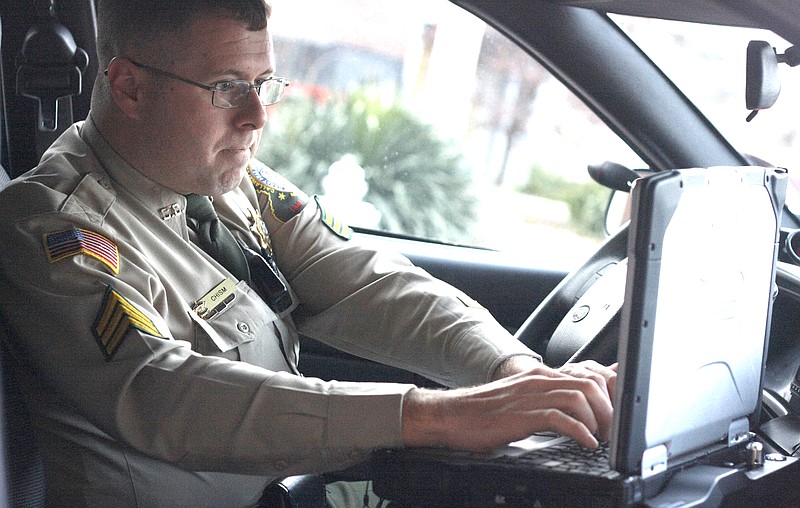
[(587, 201), (416, 180), (505, 93)]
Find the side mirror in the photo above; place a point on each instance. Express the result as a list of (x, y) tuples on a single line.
[(619, 179)]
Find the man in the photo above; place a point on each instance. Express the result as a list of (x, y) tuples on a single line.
[(160, 375)]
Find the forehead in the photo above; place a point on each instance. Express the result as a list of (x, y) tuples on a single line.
[(213, 44)]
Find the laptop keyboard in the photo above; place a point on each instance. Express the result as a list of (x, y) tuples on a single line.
[(568, 457)]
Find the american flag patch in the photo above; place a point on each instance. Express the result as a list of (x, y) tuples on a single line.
[(118, 315), (71, 242)]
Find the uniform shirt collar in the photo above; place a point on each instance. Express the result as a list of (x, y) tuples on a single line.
[(162, 201)]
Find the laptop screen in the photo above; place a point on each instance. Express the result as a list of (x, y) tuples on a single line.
[(696, 315)]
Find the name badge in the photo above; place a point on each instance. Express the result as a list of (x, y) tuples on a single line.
[(216, 300)]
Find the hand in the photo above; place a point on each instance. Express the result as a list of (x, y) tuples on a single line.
[(574, 403), (605, 377)]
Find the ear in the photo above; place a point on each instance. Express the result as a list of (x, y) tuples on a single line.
[(127, 85)]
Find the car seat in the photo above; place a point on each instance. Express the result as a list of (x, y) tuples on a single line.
[(24, 472), (22, 479)]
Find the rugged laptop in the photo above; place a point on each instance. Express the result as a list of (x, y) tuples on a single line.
[(695, 323)]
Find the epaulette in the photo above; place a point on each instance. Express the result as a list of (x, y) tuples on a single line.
[(285, 199)]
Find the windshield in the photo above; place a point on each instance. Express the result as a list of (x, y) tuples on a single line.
[(708, 64)]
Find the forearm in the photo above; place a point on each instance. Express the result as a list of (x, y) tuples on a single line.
[(409, 320), (426, 412)]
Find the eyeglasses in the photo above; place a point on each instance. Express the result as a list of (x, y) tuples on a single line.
[(232, 94)]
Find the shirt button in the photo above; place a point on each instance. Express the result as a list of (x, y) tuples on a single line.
[(281, 465), (243, 327)]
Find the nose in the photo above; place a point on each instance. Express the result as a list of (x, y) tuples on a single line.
[(251, 113)]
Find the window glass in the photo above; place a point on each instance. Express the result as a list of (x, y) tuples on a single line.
[(417, 118), (708, 63)]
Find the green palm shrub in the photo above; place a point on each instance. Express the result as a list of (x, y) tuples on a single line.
[(416, 180)]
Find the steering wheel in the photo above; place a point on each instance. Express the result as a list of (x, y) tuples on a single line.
[(579, 319)]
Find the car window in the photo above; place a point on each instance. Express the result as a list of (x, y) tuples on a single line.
[(708, 64), (417, 118)]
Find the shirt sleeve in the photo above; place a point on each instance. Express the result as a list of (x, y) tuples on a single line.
[(376, 304)]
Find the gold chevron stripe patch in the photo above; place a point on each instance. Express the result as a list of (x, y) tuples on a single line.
[(118, 315), (334, 224)]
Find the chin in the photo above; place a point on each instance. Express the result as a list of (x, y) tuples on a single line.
[(229, 181)]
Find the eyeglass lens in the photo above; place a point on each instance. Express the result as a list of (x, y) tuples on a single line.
[(234, 93)]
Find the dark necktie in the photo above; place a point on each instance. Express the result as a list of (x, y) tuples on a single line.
[(214, 237)]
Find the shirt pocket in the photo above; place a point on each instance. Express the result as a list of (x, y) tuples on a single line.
[(240, 322), (247, 330)]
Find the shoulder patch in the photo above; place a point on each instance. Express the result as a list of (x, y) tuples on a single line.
[(117, 315), (72, 242), (338, 227), (285, 199)]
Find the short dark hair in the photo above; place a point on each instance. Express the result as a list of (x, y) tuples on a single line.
[(127, 25)]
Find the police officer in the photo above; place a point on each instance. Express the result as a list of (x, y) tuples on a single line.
[(155, 277)]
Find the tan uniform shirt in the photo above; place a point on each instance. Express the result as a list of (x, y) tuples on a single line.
[(137, 395)]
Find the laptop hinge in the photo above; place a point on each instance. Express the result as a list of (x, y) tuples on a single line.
[(738, 431), (654, 461)]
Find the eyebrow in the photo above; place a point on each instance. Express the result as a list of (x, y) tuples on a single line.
[(218, 76)]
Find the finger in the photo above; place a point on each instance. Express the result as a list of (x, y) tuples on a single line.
[(612, 386), (600, 402), (582, 372), (590, 369), (596, 398), (581, 398), (565, 411), (593, 366), (566, 425)]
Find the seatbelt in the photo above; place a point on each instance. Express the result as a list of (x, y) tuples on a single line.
[(50, 69)]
